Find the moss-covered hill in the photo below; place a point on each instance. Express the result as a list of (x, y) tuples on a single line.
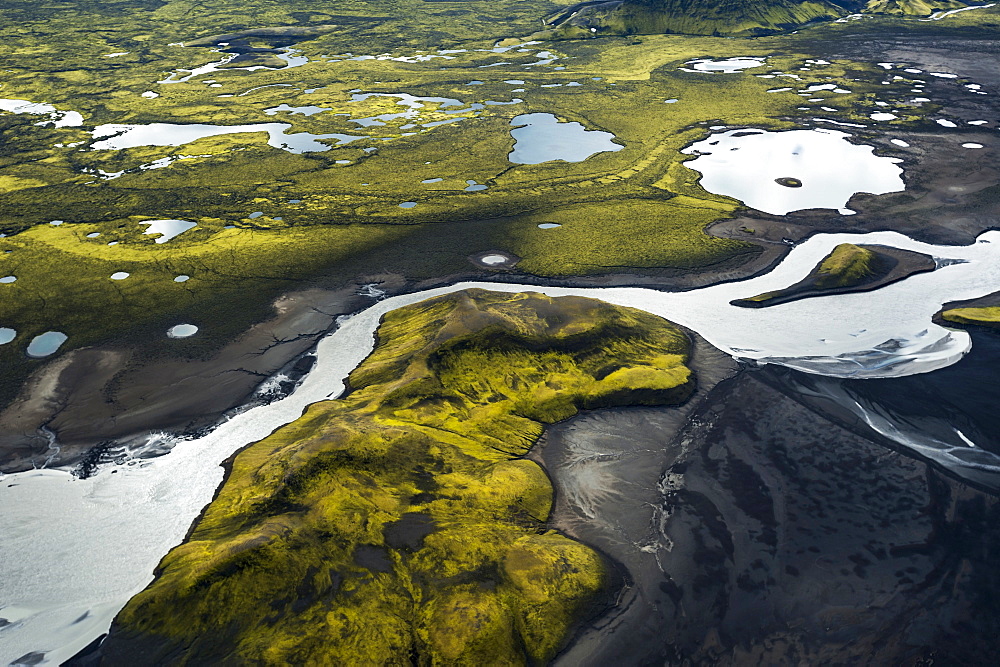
[(725, 17), (402, 524)]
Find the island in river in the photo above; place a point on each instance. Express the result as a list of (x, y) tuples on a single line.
[(848, 268)]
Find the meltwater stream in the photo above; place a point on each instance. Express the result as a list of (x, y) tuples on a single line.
[(74, 551)]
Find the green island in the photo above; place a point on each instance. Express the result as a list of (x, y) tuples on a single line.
[(402, 523), (848, 268)]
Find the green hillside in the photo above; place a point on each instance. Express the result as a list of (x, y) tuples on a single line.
[(402, 524), (728, 17)]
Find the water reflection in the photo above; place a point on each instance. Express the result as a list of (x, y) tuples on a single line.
[(46, 344), (541, 137)]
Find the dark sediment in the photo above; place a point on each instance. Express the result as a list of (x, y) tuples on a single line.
[(763, 533), (91, 396)]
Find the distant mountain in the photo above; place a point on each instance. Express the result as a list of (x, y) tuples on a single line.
[(725, 17)]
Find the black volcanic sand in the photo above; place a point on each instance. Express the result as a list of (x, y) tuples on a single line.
[(760, 532), (93, 395), (606, 467), (891, 265)]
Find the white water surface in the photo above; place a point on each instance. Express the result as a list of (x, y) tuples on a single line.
[(746, 163), (288, 55), (74, 551), (56, 118), (937, 16), (726, 66), (167, 229), (113, 136)]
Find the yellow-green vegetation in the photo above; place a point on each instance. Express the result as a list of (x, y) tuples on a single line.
[(912, 7), (654, 234), (988, 316), (846, 265), (401, 524)]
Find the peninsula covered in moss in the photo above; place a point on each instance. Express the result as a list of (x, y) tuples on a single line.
[(402, 523), (848, 268)]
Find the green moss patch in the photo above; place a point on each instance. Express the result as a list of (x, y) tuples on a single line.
[(985, 316)]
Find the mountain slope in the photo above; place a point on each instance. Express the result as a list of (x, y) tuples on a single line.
[(728, 17)]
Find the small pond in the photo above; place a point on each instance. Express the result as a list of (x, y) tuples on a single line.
[(726, 66), (56, 118), (167, 229), (7, 335), (182, 331), (117, 137), (46, 344), (541, 137)]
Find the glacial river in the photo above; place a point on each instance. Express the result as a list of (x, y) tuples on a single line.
[(74, 551)]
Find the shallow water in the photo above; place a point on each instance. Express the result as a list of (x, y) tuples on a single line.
[(7, 335), (937, 16), (288, 55), (310, 110), (167, 229), (726, 66), (744, 164), (81, 548), (541, 137), (46, 344)]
